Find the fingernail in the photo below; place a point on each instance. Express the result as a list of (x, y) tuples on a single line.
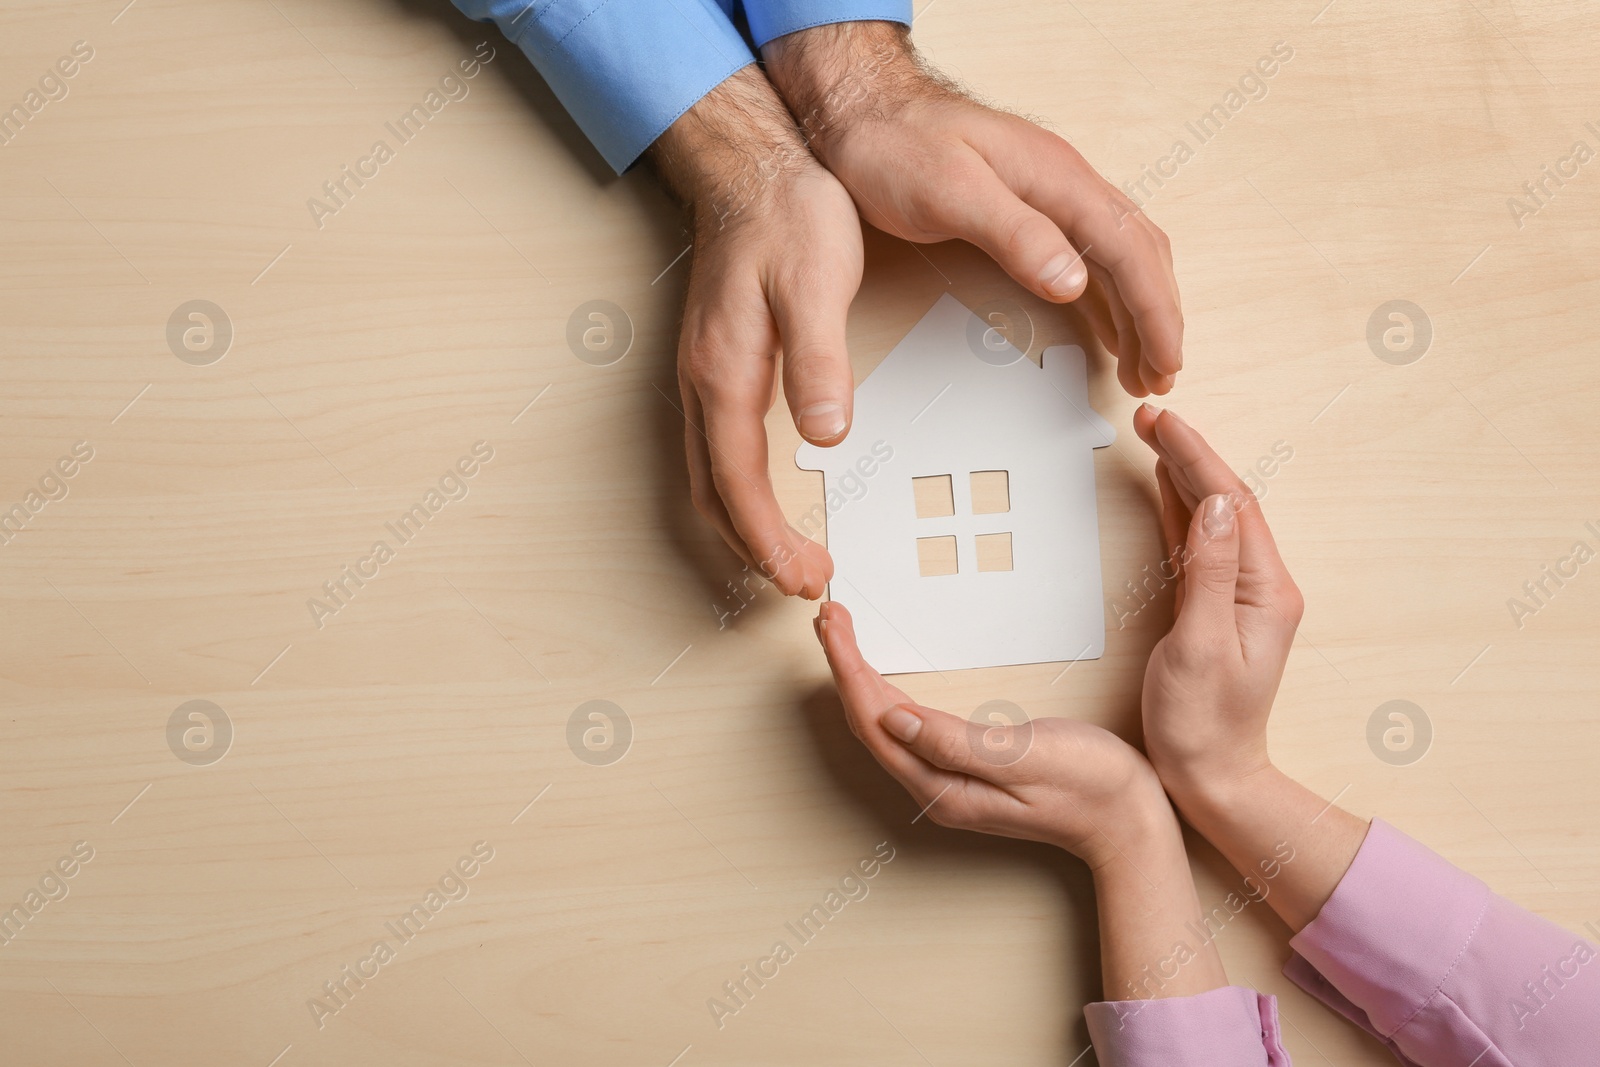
[(1174, 415), (1064, 274), (902, 723), (1218, 521), (1150, 409), (820, 422)]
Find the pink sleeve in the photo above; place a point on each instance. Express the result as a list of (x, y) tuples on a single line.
[(1228, 1027), (1424, 957)]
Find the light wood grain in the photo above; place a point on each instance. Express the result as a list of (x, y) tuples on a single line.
[(369, 754)]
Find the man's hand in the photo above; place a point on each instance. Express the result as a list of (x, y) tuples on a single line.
[(777, 260), (927, 163)]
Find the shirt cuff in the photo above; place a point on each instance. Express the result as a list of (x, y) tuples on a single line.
[(774, 18), (1441, 970), (1227, 1027), (1390, 934), (625, 70)]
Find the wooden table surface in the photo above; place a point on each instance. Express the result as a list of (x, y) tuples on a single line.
[(369, 747)]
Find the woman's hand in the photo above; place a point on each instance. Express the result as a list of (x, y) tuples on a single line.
[(1059, 781), (1210, 683)]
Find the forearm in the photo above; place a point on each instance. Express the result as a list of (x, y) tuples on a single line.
[(1271, 828), (1148, 914)]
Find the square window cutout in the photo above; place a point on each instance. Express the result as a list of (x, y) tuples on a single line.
[(994, 552), (936, 556), (991, 492), (934, 495)]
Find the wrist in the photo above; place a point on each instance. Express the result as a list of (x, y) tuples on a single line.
[(1209, 798), (1139, 838), (1206, 769), (730, 150), (834, 77)]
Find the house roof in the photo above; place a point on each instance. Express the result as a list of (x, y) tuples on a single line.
[(935, 391)]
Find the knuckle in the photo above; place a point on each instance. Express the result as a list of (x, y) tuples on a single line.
[(812, 363), (1243, 500), (1067, 154), (697, 364), (948, 815), (1123, 209), (706, 349), (1115, 254), (950, 749), (1149, 242), (718, 391), (1017, 231), (1291, 602), (703, 498), (1141, 240), (927, 212)]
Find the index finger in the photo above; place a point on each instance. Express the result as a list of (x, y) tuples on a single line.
[(1140, 259), (866, 696), (1198, 472), (1115, 233), (737, 440)]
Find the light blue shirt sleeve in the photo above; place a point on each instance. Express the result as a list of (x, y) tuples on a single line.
[(774, 18), (624, 69)]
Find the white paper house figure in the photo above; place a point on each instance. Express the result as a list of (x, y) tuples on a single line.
[(940, 412)]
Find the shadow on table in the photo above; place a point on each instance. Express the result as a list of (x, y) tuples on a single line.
[(658, 405)]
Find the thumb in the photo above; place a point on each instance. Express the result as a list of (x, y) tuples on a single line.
[(816, 362), (1210, 571), (1023, 241), (954, 744)]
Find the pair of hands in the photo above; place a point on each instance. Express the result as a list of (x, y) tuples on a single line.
[(1208, 690), (776, 168)]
